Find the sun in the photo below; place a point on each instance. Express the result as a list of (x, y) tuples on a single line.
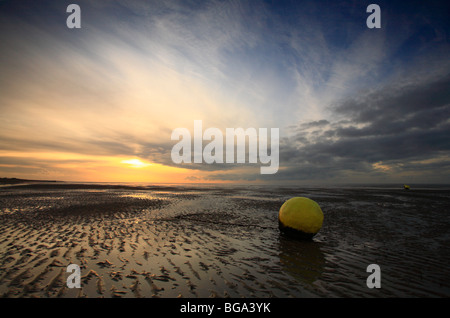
[(136, 163)]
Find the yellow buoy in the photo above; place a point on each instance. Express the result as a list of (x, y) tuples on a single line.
[(406, 187), (300, 217)]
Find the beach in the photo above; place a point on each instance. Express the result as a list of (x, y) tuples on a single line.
[(201, 241)]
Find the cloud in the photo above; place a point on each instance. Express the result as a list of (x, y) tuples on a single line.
[(398, 126), (348, 100)]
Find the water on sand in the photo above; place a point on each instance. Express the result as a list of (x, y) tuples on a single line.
[(219, 241)]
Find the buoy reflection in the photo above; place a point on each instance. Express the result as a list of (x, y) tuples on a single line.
[(302, 260)]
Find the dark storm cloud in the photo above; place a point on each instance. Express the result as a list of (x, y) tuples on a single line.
[(399, 122), (317, 123), (393, 126), (398, 104)]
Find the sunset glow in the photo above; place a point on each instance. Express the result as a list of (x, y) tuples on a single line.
[(136, 163)]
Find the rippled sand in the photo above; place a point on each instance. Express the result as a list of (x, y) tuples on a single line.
[(219, 242)]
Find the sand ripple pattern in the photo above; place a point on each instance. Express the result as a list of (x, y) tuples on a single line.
[(173, 241)]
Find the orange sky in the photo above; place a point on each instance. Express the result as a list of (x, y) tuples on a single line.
[(75, 167)]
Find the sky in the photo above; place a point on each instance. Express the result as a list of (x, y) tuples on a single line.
[(99, 103)]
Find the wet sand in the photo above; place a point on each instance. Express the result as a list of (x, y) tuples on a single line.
[(219, 241)]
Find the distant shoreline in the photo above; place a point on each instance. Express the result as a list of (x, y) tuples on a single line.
[(16, 180)]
